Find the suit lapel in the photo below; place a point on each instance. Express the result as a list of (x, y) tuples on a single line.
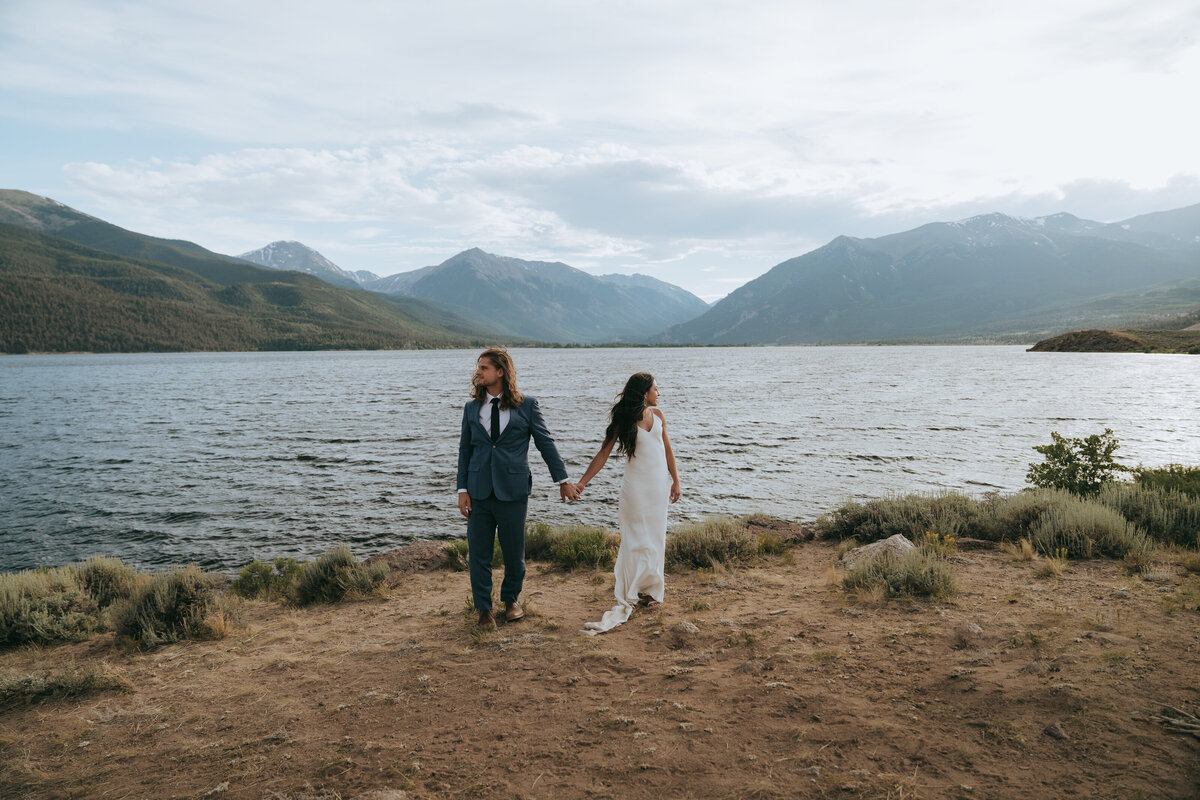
[(512, 416), (474, 412)]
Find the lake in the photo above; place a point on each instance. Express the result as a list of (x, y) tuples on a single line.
[(219, 458)]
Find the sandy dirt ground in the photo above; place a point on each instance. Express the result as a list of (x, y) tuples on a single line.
[(782, 686)]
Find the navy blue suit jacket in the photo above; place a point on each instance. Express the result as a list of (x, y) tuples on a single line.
[(503, 468)]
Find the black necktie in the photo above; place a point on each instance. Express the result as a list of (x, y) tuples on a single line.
[(495, 419)]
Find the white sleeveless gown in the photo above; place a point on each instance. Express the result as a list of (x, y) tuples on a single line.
[(642, 511)]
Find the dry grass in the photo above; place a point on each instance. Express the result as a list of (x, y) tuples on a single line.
[(1053, 566), (70, 681), (1021, 550)]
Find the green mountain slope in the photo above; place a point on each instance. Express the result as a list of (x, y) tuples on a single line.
[(58, 296), (47, 216)]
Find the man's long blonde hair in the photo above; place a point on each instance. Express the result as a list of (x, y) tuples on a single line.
[(510, 396)]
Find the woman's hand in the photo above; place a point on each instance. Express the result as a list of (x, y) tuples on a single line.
[(675, 492)]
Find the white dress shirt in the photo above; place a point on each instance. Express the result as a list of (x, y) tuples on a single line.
[(485, 415)]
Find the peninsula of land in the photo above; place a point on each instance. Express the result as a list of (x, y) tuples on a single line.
[(1123, 341)]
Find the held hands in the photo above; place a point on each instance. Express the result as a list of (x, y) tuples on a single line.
[(568, 491)]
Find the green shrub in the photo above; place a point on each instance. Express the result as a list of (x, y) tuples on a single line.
[(107, 580), (539, 538), (1086, 530), (709, 542), (170, 606), (43, 606), (1079, 466), (1014, 516), (456, 555), (583, 546), (1171, 478), (1165, 515), (571, 546), (337, 575), (949, 513), (770, 543), (273, 581), (917, 573)]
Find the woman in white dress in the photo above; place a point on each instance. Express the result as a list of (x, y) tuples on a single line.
[(638, 430)]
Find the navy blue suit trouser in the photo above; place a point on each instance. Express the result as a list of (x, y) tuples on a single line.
[(491, 518)]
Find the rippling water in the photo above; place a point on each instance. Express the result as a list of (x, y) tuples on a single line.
[(219, 458)]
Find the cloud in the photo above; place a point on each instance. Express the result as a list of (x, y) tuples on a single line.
[(691, 141)]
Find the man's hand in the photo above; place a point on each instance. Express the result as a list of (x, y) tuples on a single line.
[(568, 491), (464, 504)]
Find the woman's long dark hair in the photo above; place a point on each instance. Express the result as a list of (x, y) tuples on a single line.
[(627, 412)]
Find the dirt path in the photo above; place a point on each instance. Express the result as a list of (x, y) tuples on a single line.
[(786, 689)]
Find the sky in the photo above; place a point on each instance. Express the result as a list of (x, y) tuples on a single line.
[(698, 142)]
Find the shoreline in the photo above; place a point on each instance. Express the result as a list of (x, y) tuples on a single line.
[(769, 680)]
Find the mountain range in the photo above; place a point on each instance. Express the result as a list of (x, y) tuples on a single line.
[(538, 300), (547, 301), (988, 276)]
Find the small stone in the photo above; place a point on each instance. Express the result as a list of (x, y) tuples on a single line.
[(1035, 668), (1055, 731), (814, 771), (223, 786), (967, 635), (684, 628)]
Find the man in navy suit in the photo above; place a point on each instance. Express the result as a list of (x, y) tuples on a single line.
[(494, 480)]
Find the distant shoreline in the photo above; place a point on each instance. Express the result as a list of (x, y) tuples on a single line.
[(531, 346)]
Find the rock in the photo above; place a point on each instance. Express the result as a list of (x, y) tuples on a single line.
[(1055, 731), (1035, 668), (750, 666), (681, 633), (793, 532), (1106, 639), (896, 545), (967, 635)]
